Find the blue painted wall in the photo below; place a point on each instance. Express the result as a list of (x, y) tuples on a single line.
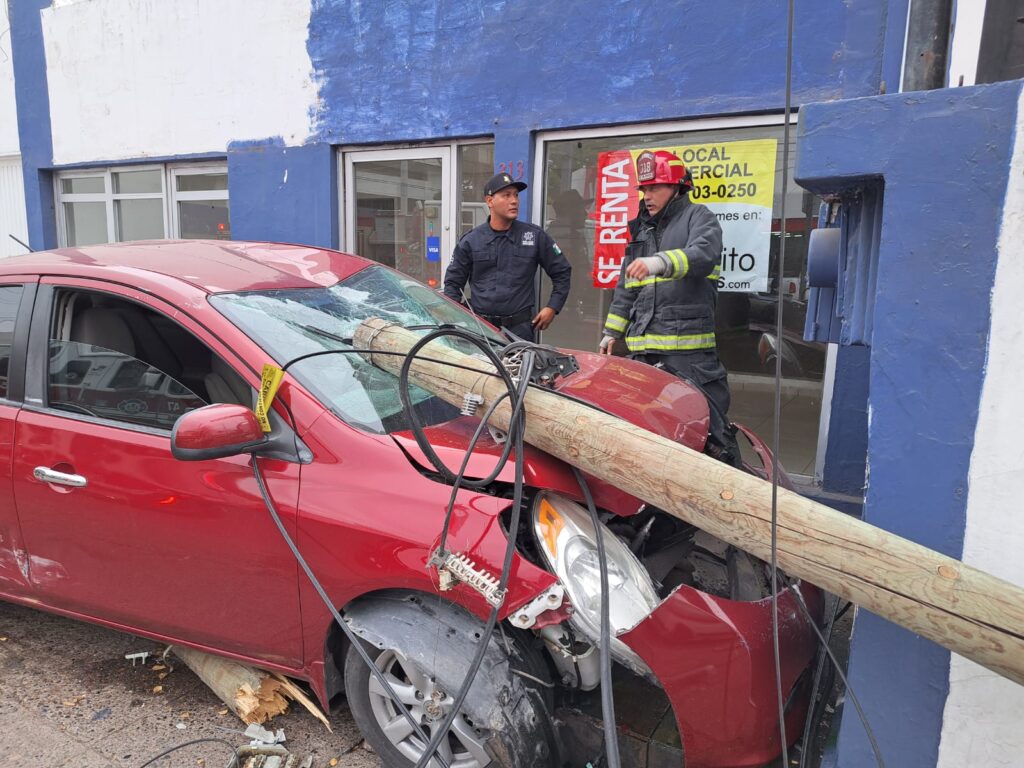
[(944, 158), (419, 71), (845, 468), (467, 67), (284, 194)]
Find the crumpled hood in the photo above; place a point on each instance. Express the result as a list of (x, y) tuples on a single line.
[(643, 395)]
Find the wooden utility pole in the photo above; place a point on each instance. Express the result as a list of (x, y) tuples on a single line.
[(961, 608)]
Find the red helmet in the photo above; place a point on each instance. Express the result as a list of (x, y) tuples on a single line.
[(662, 167)]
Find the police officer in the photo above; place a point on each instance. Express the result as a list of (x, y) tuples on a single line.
[(499, 260), (664, 303)]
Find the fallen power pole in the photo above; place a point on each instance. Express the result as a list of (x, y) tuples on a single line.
[(255, 695), (961, 608)]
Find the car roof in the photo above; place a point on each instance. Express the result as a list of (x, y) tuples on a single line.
[(213, 266)]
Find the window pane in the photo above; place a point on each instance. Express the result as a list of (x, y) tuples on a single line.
[(398, 215), (135, 182), (86, 223), (95, 381), (745, 318), (204, 219), (139, 219), (10, 296), (201, 182), (82, 185), (476, 166)]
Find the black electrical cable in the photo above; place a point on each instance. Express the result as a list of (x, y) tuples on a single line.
[(515, 438), (492, 620), (352, 637), (607, 697), (517, 428), (230, 764), (839, 669), (818, 671), (356, 351), (417, 427), (778, 388), (611, 739), (429, 753)]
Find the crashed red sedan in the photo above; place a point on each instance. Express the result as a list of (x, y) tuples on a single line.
[(109, 347)]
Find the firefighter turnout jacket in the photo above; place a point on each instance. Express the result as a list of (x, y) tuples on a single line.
[(672, 313), (501, 269)]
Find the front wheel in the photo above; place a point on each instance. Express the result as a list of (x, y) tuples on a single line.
[(387, 729), (505, 721)]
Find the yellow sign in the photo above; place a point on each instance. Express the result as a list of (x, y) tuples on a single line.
[(269, 383), (735, 179), (729, 171)]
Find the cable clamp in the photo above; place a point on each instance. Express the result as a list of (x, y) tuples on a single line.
[(453, 568), (470, 401)]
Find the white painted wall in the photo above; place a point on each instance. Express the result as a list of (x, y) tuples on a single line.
[(145, 78), (12, 206), (9, 144), (966, 42), (983, 715)]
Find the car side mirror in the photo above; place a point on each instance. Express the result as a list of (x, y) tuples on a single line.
[(216, 431)]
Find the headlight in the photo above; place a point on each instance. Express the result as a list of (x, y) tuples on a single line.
[(566, 537)]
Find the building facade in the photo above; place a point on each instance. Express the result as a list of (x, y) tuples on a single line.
[(372, 126)]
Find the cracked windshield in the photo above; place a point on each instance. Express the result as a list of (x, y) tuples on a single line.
[(295, 322)]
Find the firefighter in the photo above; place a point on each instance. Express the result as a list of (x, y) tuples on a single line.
[(499, 261), (664, 303)]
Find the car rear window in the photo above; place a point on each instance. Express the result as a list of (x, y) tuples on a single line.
[(10, 298)]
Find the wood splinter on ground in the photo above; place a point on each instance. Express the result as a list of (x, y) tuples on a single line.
[(253, 694)]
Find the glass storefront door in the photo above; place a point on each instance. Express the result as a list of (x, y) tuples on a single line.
[(588, 195), (398, 209), (407, 208)]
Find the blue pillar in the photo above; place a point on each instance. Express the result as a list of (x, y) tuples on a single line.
[(943, 159), (33, 100)]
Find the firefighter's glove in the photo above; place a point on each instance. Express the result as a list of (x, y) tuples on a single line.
[(607, 344)]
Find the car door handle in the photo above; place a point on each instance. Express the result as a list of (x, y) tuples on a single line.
[(47, 475)]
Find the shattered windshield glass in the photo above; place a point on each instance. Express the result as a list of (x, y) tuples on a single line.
[(294, 322)]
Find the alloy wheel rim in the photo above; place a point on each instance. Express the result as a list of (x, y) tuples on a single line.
[(429, 706)]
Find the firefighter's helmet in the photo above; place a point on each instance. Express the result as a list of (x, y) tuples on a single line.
[(662, 167)]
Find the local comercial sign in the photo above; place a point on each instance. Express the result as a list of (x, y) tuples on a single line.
[(735, 179)]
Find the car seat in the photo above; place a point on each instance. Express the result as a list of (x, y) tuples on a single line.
[(223, 385), (102, 327)]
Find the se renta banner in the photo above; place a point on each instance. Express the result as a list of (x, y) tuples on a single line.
[(735, 179)]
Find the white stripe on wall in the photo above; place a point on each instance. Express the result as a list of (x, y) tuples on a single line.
[(12, 206), (982, 721), (172, 78)]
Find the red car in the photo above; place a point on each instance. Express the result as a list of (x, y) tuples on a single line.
[(109, 347)]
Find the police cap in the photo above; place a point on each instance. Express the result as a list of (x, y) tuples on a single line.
[(499, 181)]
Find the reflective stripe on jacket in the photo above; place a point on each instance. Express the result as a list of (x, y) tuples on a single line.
[(675, 311)]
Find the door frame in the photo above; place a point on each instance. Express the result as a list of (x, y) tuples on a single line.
[(543, 138), (450, 210), (348, 198)]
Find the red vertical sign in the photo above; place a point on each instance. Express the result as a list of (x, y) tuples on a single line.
[(616, 204)]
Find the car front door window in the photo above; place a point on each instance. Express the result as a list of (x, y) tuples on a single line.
[(101, 382)]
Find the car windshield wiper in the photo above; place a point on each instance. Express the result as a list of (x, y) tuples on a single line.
[(326, 334)]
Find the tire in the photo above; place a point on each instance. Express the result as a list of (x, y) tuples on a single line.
[(505, 721)]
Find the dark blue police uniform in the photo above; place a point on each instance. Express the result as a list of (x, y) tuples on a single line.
[(501, 270)]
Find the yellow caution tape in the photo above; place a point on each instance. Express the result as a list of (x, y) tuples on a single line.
[(269, 383)]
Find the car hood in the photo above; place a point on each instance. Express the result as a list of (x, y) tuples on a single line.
[(643, 395)]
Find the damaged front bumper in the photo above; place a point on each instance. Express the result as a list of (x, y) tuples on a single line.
[(714, 659)]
